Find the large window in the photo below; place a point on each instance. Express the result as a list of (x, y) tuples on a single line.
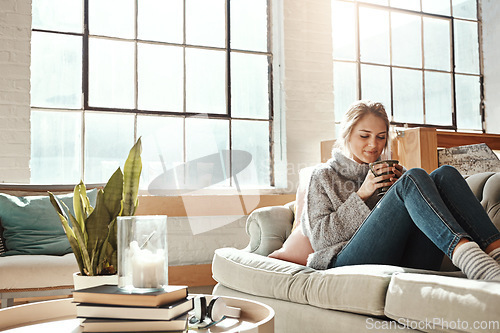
[(420, 58), (192, 78)]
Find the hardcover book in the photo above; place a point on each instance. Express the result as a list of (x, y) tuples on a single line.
[(165, 312), (113, 295), (126, 325)]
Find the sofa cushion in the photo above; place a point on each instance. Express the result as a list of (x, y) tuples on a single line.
[(37, 271), (444, 303), (257, 274), (32, 226), (359, 289)]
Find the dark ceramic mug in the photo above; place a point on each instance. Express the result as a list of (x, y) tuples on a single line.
[(390, 163)]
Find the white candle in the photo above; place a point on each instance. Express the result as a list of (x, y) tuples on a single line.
[(147, 267)]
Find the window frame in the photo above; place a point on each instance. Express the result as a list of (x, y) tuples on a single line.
[(359, 63), (184, 114)]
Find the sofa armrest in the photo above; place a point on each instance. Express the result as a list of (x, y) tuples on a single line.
[(486, 187), (268, 228)]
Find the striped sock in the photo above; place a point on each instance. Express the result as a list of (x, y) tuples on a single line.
[(495, 254), (475, 263)]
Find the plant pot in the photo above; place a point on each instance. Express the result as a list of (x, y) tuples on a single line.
[(81, 281)]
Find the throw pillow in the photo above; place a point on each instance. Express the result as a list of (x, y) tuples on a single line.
[(296, 248), (32, 226)]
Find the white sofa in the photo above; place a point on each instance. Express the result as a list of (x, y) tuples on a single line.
[(363, 298), (29, 276)]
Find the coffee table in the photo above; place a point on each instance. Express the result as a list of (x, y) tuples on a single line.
[(60, 316)]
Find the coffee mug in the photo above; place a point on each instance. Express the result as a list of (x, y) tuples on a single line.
[(390, 163)]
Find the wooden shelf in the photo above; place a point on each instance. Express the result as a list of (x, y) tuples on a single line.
[(454, 139)]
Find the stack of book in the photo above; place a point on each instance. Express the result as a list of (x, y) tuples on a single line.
[(108, 308)]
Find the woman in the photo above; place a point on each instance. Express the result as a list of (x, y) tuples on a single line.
[(420, 217)]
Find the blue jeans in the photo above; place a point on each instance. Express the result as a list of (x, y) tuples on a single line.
[(421, 217)]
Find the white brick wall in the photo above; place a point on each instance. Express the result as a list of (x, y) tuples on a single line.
[(308, 81), (15, 33), (186, 248)]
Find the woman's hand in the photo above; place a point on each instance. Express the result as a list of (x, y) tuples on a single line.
[(388, 176), (398, 172)]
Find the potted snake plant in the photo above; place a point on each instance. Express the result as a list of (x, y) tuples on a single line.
[(91, 231)]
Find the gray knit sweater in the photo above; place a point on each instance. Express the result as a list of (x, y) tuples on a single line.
[(333, 210)]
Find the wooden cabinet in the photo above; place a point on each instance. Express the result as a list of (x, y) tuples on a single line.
[(417, 148)]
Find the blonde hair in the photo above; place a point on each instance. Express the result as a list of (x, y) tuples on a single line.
[(354, 114)]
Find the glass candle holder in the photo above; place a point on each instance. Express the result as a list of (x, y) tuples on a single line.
[(142, 252)]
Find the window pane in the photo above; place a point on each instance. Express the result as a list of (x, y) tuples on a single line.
[(160, 77), (438, 98), (111, 73), (437, 49), (56, 70), (441, 7), (205, 81), (344, 30), (160, 20), (108, 139), (205, 22), (250, 137), (345, 90), (207, 145), (408, 96), (245, 14), (55, 147), (468, 99), (406, 4), (162, 151), (376, 85), (115, 18), (466, 47), (465, 9), (406, 40), (374, 35), (60, 15), (249, 87)]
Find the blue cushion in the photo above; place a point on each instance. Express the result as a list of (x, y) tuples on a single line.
[(32, 226)]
